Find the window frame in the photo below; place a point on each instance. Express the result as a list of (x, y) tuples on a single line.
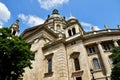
[(92, 50), (73, 30), (69, 32), (96, 64), (110, 61), (73, 56), (49, 65), (106, 47), (76, 64)]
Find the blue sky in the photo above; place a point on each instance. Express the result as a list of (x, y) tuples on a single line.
[(34, 12)]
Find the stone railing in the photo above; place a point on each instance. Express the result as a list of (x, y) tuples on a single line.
[(101, 31)]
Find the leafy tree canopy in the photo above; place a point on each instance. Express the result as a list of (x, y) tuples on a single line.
[(15, 55), (115, 75)]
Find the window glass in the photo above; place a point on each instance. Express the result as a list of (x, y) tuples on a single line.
[(106, 47), (96, 63), (78, 78), (49, 65), (74, 31), (69, 32), (91, 50), (111, 61), (77, 64)]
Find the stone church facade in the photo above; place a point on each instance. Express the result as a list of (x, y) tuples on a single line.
[(64, 51)]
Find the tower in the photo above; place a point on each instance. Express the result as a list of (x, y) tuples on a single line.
[(15, 28)]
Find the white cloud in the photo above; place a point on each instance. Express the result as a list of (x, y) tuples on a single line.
[(96, 27), (0, 26), (48, 4), (87, 26), (4, 14), (31, 20)]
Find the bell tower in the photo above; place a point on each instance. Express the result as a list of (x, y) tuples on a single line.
[(15, 28)]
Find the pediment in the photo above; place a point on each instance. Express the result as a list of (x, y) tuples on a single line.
[(38, 31)]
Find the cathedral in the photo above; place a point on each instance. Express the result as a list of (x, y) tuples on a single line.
[(64, 51)]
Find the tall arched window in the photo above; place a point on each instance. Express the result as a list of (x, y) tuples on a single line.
[(96, 63), (74, 31), (69, 32)]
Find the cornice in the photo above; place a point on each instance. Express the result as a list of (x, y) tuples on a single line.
[(53, 43), (92, 35)]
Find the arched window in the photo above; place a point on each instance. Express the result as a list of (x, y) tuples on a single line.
[(74, 31), (14, 32), (96, 63), (77, 64), (58, 27), (69, 32)]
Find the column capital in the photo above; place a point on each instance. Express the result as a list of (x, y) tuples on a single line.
[(115, 42), (115, 39), (98, 42)]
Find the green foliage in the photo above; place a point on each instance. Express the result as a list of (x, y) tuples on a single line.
[(115, 75), (15, 55)]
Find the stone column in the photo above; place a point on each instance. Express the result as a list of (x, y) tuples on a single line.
[(115, 43), (104, 59)]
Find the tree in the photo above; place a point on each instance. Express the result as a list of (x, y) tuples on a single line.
[(115, 75), (15, 55)]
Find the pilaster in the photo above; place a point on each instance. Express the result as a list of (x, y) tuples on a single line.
[(115, 42), (104, 59)]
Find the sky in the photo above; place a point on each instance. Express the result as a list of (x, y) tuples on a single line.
[(89, 13)]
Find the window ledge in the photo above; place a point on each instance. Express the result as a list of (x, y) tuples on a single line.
[(48, 74), (107, 51), (98, 70), (77, 73), (20, 79), (89, 54)]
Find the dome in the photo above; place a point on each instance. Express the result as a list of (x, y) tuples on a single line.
[(55, 16), (71, 17)]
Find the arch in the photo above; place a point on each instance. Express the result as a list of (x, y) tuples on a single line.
[(96, 63), (69, 32), (58, 27), (74, 31), (14, 32)]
